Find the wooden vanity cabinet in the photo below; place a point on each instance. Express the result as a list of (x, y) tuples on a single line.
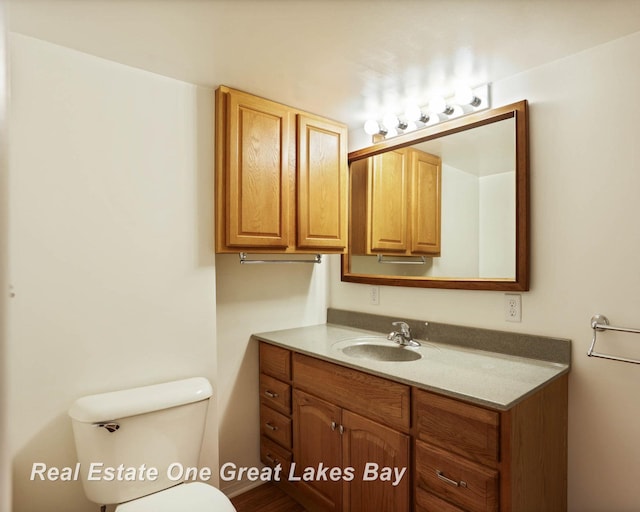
[(281, 177), (396, 195), (351, 421), (473, 459), (276, 441), (460, 457)]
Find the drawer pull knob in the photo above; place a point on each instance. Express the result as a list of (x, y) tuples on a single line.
[(271, 394), (334, 425), (449, 481), (271, 459), (270, 426)]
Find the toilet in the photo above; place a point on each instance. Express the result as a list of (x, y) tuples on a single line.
[(138, 448)]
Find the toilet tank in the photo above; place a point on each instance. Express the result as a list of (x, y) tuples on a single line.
[(138, 441)]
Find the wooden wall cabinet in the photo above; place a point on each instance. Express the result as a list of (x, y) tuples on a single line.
[(397, 196), (281, 177)]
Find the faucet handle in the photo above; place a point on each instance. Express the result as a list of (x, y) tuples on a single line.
[(404, 327)]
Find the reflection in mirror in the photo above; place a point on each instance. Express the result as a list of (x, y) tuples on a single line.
[(459, 221)]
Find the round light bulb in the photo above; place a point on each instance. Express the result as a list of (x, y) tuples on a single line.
[(391, 121), (438, 105), (413, 113), (371, 127)]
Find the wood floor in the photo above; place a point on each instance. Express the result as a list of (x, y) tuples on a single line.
[(266, 498)]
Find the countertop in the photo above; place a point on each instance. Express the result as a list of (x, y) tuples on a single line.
[(491, 379)]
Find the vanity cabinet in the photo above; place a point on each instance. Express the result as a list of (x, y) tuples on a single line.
[(275, 407), (396, 195), (353, 422), (281, 177), (473, 459), (460, 456)]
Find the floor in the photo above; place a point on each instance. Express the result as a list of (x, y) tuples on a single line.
[(266, 498)]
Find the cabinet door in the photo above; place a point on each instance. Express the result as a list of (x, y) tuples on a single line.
[(371, 448), (389, 202), (316, 445), (322, 183), (257, 172), (426, 172)]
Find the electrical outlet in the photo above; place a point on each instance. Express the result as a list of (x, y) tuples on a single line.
[(512, 307), (374, 295)]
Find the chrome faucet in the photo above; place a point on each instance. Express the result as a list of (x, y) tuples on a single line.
[(403, 336)]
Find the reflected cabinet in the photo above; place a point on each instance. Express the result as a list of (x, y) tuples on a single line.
[(396, 197)]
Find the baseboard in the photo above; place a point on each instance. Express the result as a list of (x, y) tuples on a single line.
[(237, 488)]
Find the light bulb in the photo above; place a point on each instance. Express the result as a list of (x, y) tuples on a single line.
[(465, 96), (371, 127), (439, 105), (414, 114), (390, 121)]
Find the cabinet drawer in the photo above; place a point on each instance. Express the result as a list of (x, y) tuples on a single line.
[(465, 429), (273, 454), (275, 426), (427, 502), (468, 485), (275, 361), (373, 397), (276, 394)]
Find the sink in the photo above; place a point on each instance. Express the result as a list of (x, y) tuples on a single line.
[(378, 349)]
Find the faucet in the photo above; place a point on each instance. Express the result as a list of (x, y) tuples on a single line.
[(403, 337)]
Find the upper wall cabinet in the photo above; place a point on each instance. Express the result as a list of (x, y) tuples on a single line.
[(396, 196), (281, 178)]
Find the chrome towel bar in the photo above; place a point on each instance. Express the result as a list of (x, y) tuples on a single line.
[(600, 323), (403, 260), (317, 258)]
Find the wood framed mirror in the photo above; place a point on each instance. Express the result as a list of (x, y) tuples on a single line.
[(446, 206)]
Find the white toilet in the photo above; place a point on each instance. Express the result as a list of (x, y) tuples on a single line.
[(137, 447)]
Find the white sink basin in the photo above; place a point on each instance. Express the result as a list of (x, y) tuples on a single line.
[(376, 348)]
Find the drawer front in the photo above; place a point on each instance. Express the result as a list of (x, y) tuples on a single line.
[(275, 394), (275, 426), (273, 454), (373, 397), (470, 486), (427, 502), (275, 361), (465, 429)]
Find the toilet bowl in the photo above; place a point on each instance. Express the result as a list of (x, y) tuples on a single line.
[(153, 427)]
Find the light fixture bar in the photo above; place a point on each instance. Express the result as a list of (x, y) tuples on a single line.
[(466, 100)]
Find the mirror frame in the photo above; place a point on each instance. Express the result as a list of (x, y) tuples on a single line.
[(518, 111)]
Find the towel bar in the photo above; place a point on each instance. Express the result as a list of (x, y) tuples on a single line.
[(600, 323), (317, 258)]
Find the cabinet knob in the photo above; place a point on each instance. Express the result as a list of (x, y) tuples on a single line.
[(271, 394), (334, 425), (270, 426)]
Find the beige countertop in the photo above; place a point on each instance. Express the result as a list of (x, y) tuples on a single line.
[(491, 379)]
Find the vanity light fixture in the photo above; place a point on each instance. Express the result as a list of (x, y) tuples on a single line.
[(466, 100)]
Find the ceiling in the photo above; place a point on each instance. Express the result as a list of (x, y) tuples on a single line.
[(344, 59)]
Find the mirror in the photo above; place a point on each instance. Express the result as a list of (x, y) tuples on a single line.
[(445, 206)]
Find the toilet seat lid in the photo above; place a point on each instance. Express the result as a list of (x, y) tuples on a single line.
[(192, 497)]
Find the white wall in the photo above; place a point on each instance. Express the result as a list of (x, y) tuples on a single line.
[(251, 299), (497, 223), (5, 464), (585, 244), (110, 258)]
